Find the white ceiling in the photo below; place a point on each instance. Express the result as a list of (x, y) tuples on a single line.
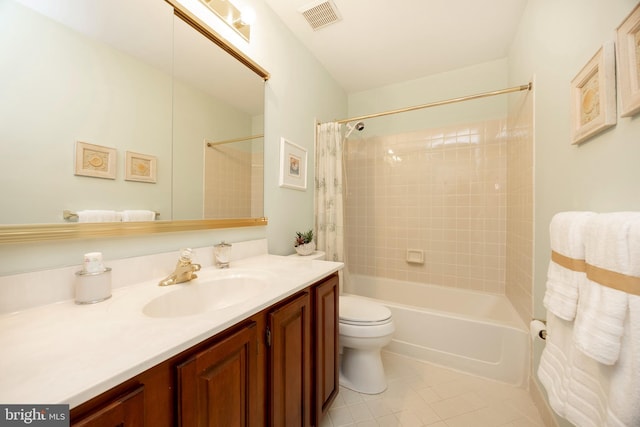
[(380, 42)]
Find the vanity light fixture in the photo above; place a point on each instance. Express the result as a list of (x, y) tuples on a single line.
[(240, 21), (247, 18)]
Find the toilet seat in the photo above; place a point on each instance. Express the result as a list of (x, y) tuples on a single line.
[(360, 312)]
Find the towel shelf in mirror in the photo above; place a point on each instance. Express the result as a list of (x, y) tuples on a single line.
[(44, 232)]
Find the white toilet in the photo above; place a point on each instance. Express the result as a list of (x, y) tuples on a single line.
[(365, 327)]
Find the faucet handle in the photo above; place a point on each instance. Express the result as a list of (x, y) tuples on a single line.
[(186, 254)]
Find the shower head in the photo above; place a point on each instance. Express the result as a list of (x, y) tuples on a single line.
[(358, 126)]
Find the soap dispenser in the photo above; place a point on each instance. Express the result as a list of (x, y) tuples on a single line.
[(93, 282)]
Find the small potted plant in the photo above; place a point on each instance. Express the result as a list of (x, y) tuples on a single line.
[(304, 243)]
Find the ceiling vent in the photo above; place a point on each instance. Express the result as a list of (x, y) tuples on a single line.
[(319, 14)]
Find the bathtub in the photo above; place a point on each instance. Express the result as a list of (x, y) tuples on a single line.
[(469, 331)]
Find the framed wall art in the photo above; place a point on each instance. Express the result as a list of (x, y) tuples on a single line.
[(593, 96), (140, 167), (628, 51), (95, 160), (293, 165)]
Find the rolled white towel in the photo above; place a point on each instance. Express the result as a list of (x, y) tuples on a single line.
[(97, 215), (138, 215)]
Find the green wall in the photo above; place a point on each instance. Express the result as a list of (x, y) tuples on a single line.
[(299, 92), (554, 41)]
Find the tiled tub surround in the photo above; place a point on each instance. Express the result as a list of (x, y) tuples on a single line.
[(519, 267), (442, 191), (68, 353), (233, 182)]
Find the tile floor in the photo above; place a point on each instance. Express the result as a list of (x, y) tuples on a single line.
[(422, 394)]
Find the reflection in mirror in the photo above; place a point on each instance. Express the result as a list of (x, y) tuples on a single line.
[(103, 72), (233, 178), (66, 78), (214, 100)]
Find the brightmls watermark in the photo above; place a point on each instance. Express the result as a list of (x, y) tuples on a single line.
[(34, 415)]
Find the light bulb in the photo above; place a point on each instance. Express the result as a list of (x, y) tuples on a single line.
[(247, 16)]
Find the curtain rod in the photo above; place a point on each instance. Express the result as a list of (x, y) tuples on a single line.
[(437, 103), (227, 141)]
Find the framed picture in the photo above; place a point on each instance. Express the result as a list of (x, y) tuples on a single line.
[(140, 167), (95, 161), (293, 165), (593, 96), (628, 50)]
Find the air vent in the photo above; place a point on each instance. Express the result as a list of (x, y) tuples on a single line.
[(320, 14)]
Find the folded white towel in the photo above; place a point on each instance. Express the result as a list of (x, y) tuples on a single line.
[(555, 363), (138, 215), (608, 395), (97, 215), (567, 375), (624, 395), (585, 392), (602, 310), (581, 389), (623, 407), (600, 322), (566, 232)]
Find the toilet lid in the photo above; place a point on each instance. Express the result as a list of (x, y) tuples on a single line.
[(358, 311)]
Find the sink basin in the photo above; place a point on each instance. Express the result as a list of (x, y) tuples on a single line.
[(206, 294)]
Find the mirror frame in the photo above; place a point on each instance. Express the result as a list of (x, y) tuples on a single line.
[(45, 232)]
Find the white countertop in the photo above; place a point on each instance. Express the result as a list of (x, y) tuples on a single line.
[(69, 353)]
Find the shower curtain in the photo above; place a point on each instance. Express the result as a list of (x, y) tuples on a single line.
[(329, 216)]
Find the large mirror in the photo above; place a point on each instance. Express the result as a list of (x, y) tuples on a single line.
[(119, 105)]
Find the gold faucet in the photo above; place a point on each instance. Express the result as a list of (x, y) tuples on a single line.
[(184, 272)]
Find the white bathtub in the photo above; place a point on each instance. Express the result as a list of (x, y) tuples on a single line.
[(469, 331)]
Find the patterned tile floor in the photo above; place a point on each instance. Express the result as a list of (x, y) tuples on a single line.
[(422, 394)]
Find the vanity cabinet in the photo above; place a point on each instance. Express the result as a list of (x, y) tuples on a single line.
[(326, 328), (290, 363), (218, 386), (126, 410), (276, 368)]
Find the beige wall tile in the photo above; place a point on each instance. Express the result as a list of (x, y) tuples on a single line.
[(447, 196), (519, 226)]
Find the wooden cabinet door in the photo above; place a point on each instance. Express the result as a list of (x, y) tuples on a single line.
[(290, 363), (218, 386), (125, 411), (325, 301)]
